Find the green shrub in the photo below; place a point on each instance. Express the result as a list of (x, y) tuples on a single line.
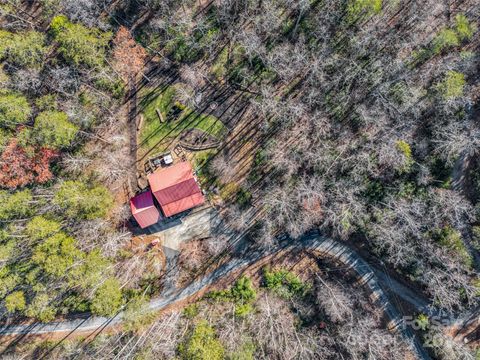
[(41, 228), (58, 24), (464, 28), (451, 37), (452, 239), (52, 129), (93, 268), (233, 191), (259, 163), (242, 310), (374, 191), (23, 48), (41, 308), (5, 137), (14, 109), (242, 291), (285, 283), (185, 47), (476, 237), (404, 148), (183, 50), (476, 284), (202, 165), (219, 67), (440, 170), (363, 8), (452, 86), (86, 98), (180, 106), (182, 47), (15, 302), (75, 303), (78, 44), (7, 250), (423, 321), (420, 56), (81, 201), (398, 92), (190, 311), (446, 38), (16, 205), (467, 55), (406, 190), (116, 88), (107, 299), (8, 281), (56, 254), (202, 344), (229, 191), (244, 197), (47, 103)]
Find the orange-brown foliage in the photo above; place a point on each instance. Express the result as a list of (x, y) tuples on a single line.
[(22, 166), (128, 56)]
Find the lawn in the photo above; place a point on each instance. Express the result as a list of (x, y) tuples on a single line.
[(154, 133)]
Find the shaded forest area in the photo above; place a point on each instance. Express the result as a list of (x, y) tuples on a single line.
[(357, 117), (364, 122)]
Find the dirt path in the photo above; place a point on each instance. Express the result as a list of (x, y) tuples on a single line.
[(132, 130), (317, 243)]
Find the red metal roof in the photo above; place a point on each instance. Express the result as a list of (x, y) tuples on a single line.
[(169, 176), (175, 188), (143, 209), (178, 191), (183, 204)]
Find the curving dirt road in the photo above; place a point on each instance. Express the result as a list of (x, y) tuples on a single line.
[(317, 243)]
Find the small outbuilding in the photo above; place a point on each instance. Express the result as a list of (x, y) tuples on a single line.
[(176, 188), (143, 209)]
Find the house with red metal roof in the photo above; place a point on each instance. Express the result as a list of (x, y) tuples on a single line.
[(144, 210), (175, 188)]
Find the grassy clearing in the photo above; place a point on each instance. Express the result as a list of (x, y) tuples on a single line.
[(178, 116)]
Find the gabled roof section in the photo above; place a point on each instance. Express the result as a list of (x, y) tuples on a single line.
[(170, 176), (177, 191), (175, 188), (183, 204), (143, 209)]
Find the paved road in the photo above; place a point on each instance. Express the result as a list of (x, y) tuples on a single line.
[(395, 287), (318, 243)]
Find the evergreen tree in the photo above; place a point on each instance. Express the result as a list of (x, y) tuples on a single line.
[(14, 109), (81, 201), (78, 44), (108, 298), (52, 129)]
